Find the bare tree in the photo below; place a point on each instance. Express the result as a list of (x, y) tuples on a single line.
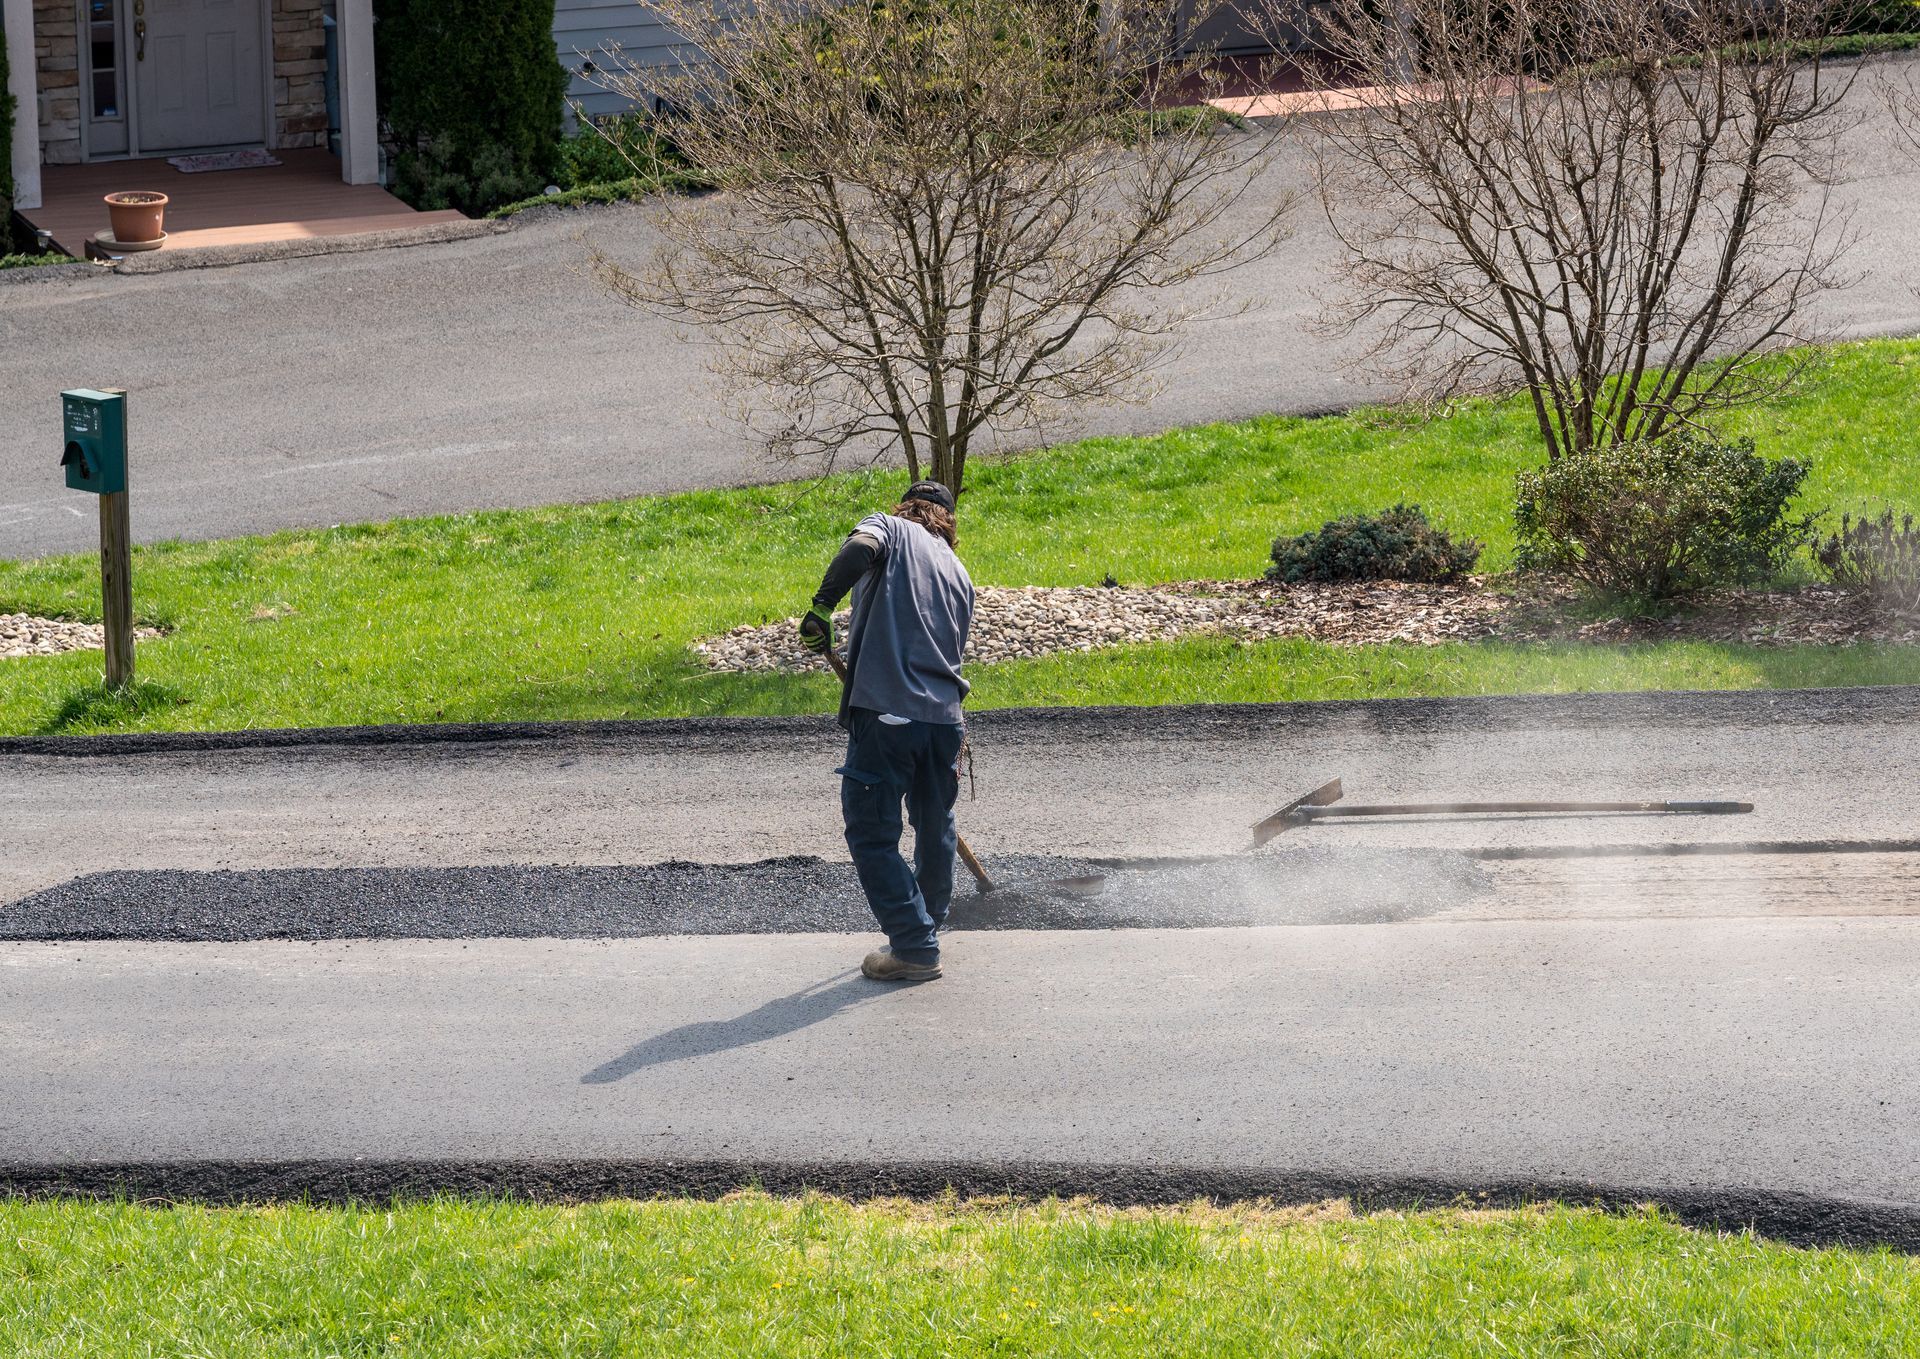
[(939, 222), (1903, 96), (1619, 205)]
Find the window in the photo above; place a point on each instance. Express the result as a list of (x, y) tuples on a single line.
[(103, 43)]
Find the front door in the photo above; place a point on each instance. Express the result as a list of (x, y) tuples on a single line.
[(197, 72)]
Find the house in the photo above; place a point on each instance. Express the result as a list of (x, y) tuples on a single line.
[(105, 79), (584, 30), (107, 89)]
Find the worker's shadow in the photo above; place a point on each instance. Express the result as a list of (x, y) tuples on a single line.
[(822, 1000)]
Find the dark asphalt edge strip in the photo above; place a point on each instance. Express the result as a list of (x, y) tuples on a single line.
[(1664, 707), (1006, 893), (1795, 1218)]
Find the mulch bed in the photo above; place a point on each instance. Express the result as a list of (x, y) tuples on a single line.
[(1816, 615), (1014, 623)]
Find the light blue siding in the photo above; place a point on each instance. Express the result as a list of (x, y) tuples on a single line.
[(589, 27), (582, 29)]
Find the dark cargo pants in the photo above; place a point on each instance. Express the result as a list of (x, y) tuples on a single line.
[(915, 764)]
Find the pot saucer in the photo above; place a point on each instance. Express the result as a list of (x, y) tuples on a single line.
[(104, 239)]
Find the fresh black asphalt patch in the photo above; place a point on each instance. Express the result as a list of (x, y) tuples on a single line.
[(775, 896), (1801, 1219)]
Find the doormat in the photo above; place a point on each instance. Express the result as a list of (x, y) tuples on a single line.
[(223, 160)]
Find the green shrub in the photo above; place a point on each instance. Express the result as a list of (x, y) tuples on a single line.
[(1654, 521), (33, 261), (614, 150), (619, 159), (1398, 544), (436, 175), (473, 95), (611, 191), (1888, 16), (1878, 554)]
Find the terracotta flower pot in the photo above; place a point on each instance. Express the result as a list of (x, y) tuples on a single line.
[(137, 215)]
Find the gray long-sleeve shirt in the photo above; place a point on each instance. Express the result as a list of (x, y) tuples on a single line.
[(912, 611)]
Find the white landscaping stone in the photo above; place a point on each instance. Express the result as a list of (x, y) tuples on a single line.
[(22, 634), (1013, 623)]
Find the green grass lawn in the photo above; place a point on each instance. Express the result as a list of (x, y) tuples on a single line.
[(760, 1276), (586, 611)]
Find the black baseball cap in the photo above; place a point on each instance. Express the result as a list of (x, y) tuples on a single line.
[(933, 492)]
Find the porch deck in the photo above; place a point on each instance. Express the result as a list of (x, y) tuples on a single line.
[(300, 198)]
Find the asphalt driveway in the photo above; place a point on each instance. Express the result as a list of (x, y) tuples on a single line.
[(1756, 1071), (280, 963), (495, 372)]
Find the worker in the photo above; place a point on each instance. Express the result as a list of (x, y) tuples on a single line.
[(900, 705)]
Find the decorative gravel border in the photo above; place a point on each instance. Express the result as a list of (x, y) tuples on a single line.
[(1018, 623), (22, 634), (1035, 620)]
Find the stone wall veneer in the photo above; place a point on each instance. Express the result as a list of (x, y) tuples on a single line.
[(299, 73), (56, 60)]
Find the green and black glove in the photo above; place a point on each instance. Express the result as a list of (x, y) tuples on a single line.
[(816, 630), (855, 558)]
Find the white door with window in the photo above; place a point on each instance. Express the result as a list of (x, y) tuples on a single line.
[(198, 76)]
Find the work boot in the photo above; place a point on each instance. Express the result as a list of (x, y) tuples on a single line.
[(881, 965)]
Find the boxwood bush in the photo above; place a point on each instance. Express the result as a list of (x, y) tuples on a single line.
[(615, 149), (1658, 520)]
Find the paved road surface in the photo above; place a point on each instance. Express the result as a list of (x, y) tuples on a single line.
[(1733, 1033), (1773, 1068), (1819, 764), (495, 372)]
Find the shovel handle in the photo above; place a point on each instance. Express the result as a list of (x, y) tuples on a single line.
[(1350, 810), (973, 864)]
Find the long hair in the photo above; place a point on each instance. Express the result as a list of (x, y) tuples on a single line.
[(930, 517)]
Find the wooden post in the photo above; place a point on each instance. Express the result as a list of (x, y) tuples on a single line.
[(116, 588), (116, 583)]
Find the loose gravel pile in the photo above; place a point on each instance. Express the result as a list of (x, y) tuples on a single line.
[(775, 896), (22, 634), (1013, 624)]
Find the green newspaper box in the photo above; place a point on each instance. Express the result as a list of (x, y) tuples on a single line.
[(95, 457)]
